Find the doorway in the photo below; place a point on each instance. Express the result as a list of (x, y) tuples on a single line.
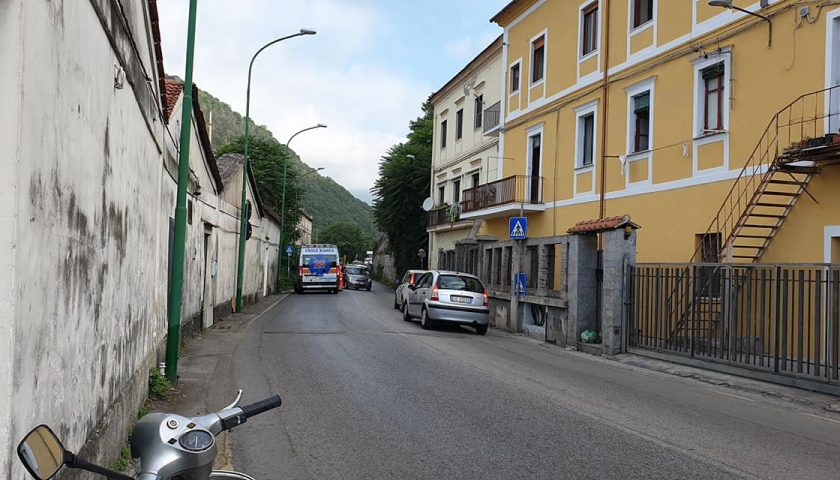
[(207, 280), (534, 168)]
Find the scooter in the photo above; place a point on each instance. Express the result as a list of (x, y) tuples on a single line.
[(169, 446)]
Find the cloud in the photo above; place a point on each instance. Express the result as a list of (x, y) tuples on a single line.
[(467, 47), (333, 77)]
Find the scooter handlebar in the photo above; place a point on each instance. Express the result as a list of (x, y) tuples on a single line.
[(257, 408), (239, 415)]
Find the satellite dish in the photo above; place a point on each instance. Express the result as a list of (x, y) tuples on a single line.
[(428, 204)]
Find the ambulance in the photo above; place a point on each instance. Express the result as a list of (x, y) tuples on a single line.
[(318, 268)]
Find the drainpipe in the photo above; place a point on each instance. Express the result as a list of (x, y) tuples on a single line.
[(606, 65), (176, 285), (602, 197)]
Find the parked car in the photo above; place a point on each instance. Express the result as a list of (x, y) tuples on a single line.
[(448, 297), (400, 295), (357, 277)]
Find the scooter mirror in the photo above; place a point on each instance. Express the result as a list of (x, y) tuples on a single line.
[(41, 453)]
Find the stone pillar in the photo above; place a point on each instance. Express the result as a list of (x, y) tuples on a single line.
[(516, 259), (619, 254), (582, 285)]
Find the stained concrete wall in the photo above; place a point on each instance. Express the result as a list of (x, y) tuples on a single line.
[(86, 198)]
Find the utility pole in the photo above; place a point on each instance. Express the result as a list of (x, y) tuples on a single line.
[(176, 284)]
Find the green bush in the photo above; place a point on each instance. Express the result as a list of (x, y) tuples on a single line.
[(159, 387)]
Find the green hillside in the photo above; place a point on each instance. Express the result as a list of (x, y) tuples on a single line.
[(327, 201)]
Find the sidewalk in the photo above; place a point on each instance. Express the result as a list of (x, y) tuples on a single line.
[(204, 377), (814, 403)]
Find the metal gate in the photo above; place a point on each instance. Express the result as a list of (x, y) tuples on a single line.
[(781, 320)]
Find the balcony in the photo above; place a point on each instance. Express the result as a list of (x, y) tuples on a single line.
[(492, 117), (504, 196), (441, 215)]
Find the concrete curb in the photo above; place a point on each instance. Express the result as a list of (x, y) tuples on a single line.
[(801, 399)]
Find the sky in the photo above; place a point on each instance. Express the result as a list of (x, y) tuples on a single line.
[(365, 74)]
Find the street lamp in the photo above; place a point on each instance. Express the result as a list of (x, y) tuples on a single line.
[(764, 4), (245, 167), (280, 244), (283, 204)]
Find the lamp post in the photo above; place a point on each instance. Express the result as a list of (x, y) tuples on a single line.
[(280, 244), (763, 4), (245, 167), (176, 285), (283, 202)]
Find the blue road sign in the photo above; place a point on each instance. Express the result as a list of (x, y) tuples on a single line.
[(520, 283), (290, 250), (518, 228)]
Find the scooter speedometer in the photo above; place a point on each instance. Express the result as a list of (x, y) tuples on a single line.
[(196, 440)]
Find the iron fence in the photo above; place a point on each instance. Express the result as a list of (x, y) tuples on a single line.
[(778, 318)]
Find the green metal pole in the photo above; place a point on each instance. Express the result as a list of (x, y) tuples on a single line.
[(283, 205), (176, 285), (282, 219), (243, 225)]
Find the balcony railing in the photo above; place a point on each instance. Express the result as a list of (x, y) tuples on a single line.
[(442, 215), (492, 116), (515, 189)]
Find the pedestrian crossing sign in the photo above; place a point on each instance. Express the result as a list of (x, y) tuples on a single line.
[(289, 250), (518, 228)]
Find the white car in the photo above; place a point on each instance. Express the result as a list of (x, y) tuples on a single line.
[(400, 295)]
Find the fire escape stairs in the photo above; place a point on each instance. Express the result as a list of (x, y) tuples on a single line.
[(799, 140), (764, 215)]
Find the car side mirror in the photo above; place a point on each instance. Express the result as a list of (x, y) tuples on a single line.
[(42, 453)]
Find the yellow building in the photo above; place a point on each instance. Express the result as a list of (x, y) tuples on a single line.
[(698, 120)]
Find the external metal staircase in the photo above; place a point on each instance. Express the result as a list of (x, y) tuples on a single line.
[(799, 140)]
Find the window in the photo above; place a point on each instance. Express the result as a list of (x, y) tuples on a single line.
[(479, 111), (641, 122), (456, 191), (589, 40), (538, 59), (476, 178), (514, 78), (713, 97), (642, 12), (587, 129), (459, 124), (443, 134), (441, 194), (464, 284)]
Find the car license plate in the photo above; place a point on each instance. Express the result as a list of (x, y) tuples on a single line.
[(460, 299)]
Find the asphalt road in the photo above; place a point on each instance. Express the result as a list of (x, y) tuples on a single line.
[(367, 395)]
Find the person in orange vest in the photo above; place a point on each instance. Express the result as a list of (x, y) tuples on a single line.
[(340, 278)]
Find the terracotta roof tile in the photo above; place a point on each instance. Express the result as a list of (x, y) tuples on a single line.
[(174, 87), (602, 224)]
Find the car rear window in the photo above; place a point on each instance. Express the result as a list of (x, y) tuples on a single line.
[(455, 282)]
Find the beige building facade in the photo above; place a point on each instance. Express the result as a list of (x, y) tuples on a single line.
[(465, 152)]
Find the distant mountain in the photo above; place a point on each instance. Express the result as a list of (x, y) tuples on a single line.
[(327, 201)]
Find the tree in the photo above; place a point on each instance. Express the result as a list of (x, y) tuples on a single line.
[(399, 191), (351, 240), (267, 159)]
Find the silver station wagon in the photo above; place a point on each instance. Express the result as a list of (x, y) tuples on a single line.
[(448, 297)]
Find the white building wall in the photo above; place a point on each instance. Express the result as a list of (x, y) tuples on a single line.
[(85, 206), (89, 307)]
